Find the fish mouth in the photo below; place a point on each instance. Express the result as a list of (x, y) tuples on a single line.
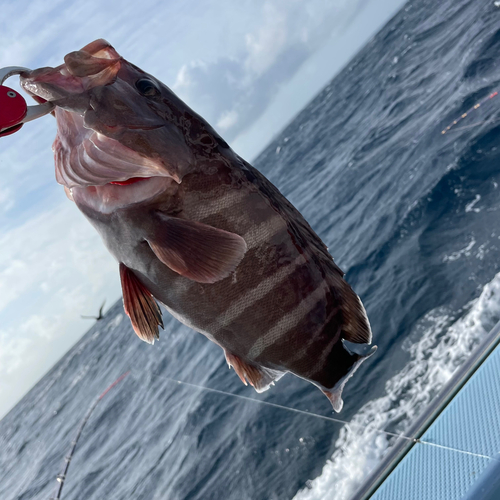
[(84, 157), (87, 150)]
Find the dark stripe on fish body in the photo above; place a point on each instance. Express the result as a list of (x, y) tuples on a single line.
[(280, 301), (285, 297), (228, 297), (300, 230), (301, 350), (256, 277), (238, 210), (307, 317)]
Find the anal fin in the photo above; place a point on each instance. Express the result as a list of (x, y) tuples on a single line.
[(259, 377), (140, 306)]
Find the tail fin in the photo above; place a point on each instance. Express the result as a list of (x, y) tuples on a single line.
[(362, 351)]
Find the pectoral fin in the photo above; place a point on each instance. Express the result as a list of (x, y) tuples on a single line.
[(140, 306), (258, 377), (195, 250)]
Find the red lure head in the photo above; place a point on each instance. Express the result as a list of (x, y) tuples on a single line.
[(13, 109)]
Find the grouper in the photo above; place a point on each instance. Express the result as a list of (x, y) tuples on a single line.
[(196, 228)]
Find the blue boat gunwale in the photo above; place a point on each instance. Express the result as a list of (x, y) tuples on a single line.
[(416, 431)]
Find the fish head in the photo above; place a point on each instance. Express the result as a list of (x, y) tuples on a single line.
[(116, 126)]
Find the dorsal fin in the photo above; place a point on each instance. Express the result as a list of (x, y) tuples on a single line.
[(140, 306)]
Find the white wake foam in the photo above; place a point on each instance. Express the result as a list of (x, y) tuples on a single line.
[(438, 345)]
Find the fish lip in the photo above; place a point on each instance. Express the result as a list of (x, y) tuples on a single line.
[(118, 128), (57, 83), (43, 84), (109, 198), (141, 127), (131, 180)]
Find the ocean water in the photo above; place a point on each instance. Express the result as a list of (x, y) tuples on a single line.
[(410, 214)]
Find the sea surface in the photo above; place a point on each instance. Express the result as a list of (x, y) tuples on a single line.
[(410, 214)]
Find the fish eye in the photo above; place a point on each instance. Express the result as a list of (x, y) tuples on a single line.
[(146, 87)]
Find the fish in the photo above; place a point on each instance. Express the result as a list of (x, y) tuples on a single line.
[(196, 228)]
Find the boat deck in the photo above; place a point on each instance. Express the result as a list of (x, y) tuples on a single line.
[(456, 455)]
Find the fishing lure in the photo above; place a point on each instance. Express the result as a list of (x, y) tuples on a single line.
[(14, 112)]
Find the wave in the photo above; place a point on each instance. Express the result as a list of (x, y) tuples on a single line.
[(443, 344)]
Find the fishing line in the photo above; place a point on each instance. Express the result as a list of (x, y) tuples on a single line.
[(317, 415), (62, 477)]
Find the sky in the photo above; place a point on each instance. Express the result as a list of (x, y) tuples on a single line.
[(248, 67)]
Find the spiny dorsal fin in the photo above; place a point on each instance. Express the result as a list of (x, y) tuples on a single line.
[(140, 306), (197, 251)]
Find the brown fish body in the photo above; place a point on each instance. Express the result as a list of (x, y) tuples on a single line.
[(204, 233)]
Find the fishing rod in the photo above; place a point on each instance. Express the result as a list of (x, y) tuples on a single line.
[(62, 477)]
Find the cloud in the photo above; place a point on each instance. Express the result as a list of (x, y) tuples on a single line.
[(52, 254), (265, 46), (232, 92), (6, 199), (45, 327), (227, 120), (13, 352), (53, 268)]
